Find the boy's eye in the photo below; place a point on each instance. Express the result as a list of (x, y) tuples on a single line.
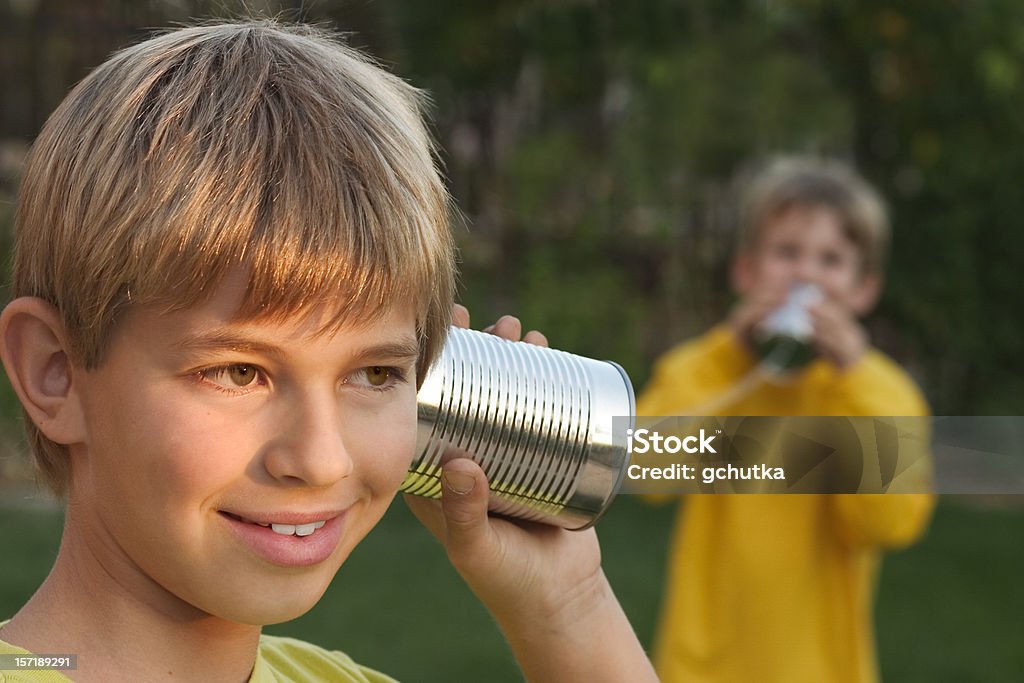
[(378, 375), (786, 251), (832, 259), (232, 377), (241, 375)]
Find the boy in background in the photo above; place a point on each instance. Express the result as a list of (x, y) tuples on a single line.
[(780, 588), (233, 268)]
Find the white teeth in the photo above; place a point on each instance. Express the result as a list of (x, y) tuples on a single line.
[(295, 529), (284, 529)]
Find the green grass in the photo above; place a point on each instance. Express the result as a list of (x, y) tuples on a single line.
[(949, 608), (28, 547)]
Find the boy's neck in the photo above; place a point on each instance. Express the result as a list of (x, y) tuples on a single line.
[(83, 608)]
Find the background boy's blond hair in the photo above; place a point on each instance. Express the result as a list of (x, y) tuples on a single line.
[(248, 145), (790, 181)]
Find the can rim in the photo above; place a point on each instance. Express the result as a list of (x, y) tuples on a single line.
[(622, 471)]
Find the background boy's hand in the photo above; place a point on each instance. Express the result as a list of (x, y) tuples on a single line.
[(838, 336), (752, 309), (544, 585)]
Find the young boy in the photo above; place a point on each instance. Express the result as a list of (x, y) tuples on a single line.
[(779, 588), (233, 268)]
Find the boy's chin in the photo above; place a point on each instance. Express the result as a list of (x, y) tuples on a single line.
[(268, 609), (259, 603)]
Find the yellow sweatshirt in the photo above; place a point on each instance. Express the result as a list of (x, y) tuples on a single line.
[(777, 588), (278, 660)]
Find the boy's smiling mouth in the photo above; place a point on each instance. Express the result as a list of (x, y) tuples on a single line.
[(280, 527), (287, 538)]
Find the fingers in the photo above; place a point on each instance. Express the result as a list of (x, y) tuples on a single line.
[(506, 327), (464, 504), (748, 315), (754, 308), (837, 334), (536, 338), (460, 316), (510, 327), (830, 319)]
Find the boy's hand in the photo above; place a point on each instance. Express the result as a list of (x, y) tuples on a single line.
[(838, 336), (518, 569), (752, 309), (544, 585)]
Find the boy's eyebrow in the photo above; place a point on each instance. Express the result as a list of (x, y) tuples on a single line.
[(403, 349), (222, 340)]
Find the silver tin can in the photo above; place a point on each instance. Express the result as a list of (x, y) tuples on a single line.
[(537, 420), (784, 338)]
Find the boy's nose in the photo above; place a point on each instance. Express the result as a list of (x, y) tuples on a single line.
[(807, 270), (311, 448)]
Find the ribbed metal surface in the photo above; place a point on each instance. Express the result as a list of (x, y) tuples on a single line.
[(538, 421)]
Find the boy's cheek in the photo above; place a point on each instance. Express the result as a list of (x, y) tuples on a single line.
[(386, 442), (764, 271)]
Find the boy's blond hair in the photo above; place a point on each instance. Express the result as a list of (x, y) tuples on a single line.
[(786, 182), (245, 145)]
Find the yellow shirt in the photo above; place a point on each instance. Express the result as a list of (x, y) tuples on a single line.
[(278, 660), (777, 588)]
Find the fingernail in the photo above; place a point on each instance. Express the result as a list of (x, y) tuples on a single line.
[(459, 482)]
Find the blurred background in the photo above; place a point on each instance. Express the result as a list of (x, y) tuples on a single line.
[(594, 148)]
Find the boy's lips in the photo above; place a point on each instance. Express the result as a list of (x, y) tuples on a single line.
[(288, 539)]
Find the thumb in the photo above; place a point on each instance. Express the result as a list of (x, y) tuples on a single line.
[(464, 496)]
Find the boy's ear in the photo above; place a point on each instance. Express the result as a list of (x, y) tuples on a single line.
[(35, 354), (865, 294)]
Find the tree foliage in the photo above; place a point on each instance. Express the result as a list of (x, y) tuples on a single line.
[(594, 149)]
